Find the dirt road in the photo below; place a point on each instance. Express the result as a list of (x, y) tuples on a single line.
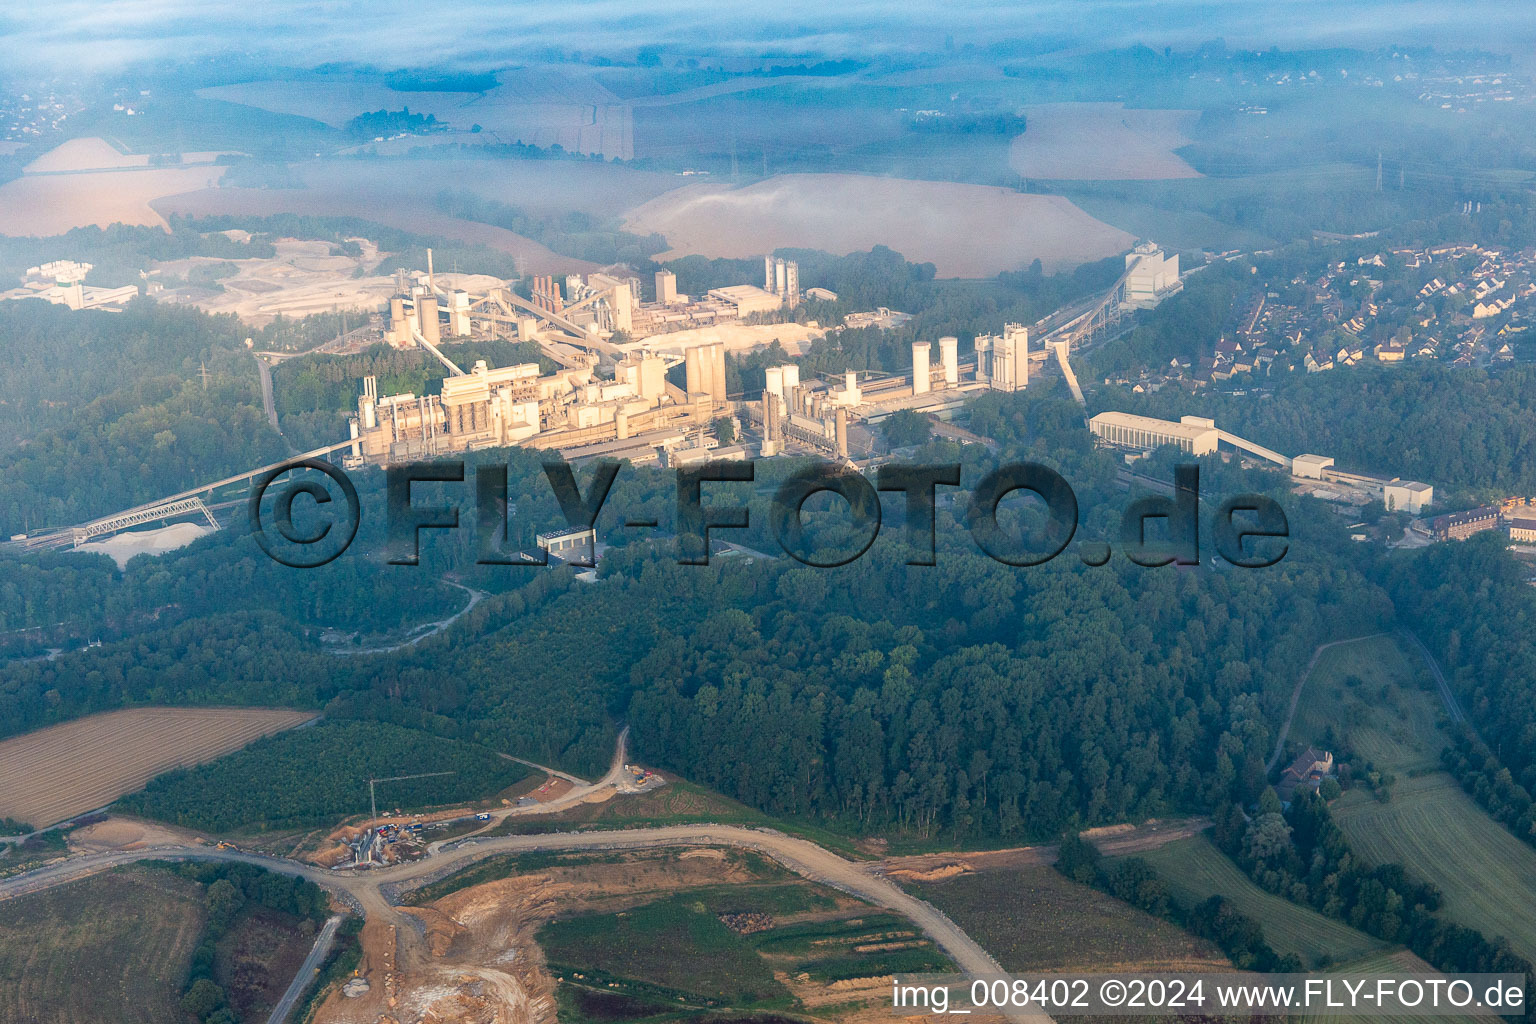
[(1290, 715), (1115, 841), (584, 790), (799, 855), (364, 889)]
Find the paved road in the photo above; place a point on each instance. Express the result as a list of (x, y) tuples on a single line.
[(428, 629), (1452, 705), (267, 402), (305, 975)]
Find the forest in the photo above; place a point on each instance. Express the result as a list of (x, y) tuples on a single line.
[(1471, 604), (1135, 881), (319, 775), (573, 233), (969, 699), (966, 702)]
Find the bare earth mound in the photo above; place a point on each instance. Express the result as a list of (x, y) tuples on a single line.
[(64, 770), (964, 230), (1102, 141)]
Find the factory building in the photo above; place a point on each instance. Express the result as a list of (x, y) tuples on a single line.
[(492, 408), (1155, 276), (745, 299), (545, 293), (611, 301), (1193, 434), (926, 377), (59, 272), (1311, 467), (1002, 360), (704, 368), (811, 415), (423, 312), (666, 287), (782, 278), (949, 359), (1406, 495), (62, 283), (922, 377)]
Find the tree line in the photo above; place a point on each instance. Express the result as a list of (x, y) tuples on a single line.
[(1302, 854), (230, 893)]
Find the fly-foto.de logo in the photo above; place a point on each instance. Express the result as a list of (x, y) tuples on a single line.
[(1250, 531)]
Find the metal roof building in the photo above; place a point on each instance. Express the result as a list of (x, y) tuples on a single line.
[(1193, 434)]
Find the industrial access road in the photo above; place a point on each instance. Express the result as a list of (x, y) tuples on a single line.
[(427, 629), (582, 792), (305, 975), (365, 889)]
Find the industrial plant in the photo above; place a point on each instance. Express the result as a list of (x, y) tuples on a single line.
[(613, 395)]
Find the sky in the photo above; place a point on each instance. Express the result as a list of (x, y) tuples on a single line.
[(108, 35)]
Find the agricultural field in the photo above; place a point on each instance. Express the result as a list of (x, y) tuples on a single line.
[(1399, 963), (759, 947), (967, 231), (113, 949), (1070, 926), (43, 205), (1195, 870), (1097, 141), (1437, 832), (539, 106), (64, 770), (1378, 697), (94, 154)]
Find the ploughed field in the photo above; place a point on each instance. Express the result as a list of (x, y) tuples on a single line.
[(113, 948), (64, 770)]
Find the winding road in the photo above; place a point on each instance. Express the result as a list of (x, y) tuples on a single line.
[(365, 888), (428, 629)]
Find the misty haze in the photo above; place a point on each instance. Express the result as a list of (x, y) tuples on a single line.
[(619, 514)]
